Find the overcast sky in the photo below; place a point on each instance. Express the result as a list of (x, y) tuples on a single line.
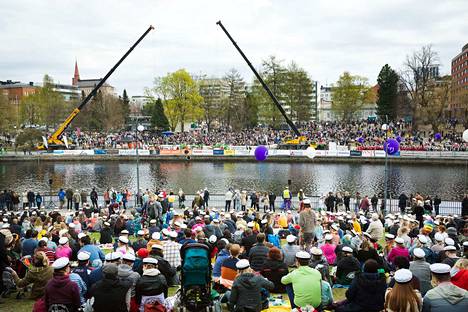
[(324, 37)]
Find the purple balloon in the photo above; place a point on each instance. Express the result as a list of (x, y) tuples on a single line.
[(438, 136), (393, 146), (398, 138), (261, 153), (361, 140)]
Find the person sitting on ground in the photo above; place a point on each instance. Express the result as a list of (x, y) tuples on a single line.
[(402, 297), (38, 275), (246, 292), (398, 250), (290, 250), (228, 267), (110, 294), (61, 293), (367, 252), (319, 262), (451, 255), (421, 269), (376, 228), (152, 286), (459, 274), (346, 267), (329, 249), (248, 240), (303, 284), (367, 290), (274, 269), (445, 296), (258, 253), (222, 255), (126, 274)]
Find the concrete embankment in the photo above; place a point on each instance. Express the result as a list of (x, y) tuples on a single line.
[(442, 161)]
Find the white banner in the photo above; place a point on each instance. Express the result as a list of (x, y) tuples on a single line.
[(367, 153), (202, 152), (242, 152), (320, 153), (343, 153), (132, 152), (333, 153), (379, 153), (332, 146), (73, 152)]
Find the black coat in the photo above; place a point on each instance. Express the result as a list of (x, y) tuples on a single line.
[(106, 236), (109, 295), (257, 256), (150, 286), (274, 270), (246, 292), (366, 293)]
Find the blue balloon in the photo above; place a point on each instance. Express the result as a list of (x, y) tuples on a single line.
[(438, 136), (261, 153), (393, 146), (399, 139), (361, 140)]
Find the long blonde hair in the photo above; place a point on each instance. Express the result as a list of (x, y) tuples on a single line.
[(401, 296)]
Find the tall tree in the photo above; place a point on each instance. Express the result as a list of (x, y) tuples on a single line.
[(213, 92), (350, 93), (126, 104), (8, 111), (155, 109), (387, 93), (298, 93), (235, 98), (181, 99), (439, 98), (417, 76)]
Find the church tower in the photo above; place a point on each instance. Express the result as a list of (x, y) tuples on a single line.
[(76, 77)]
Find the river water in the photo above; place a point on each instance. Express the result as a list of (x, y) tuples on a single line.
[(316, 179)]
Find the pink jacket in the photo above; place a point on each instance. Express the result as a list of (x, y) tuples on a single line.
[(329, 253), (397, 251), (63, 251)]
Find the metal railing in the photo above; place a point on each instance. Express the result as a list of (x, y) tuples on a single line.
[(218, 201)]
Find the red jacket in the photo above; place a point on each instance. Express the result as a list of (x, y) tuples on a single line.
[(461, 279)]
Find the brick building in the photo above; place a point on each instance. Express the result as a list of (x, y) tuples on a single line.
[(459, 106), (16, 90)]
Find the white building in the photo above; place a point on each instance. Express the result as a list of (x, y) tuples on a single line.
[(137, 102)]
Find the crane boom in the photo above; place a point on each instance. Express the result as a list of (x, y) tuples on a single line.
[(265, 86), (55, 138)]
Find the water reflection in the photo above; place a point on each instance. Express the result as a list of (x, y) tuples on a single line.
[(445, 181)]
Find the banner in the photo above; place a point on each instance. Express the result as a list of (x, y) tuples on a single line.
[(243, 152), (379, 153), (333, 153), (218, 152), (367, 153), (100, 152), (73, 152), (201, 152), (170, 152), (229, 152), (355, 153), (343, 153), (132, 152), (320, 153)]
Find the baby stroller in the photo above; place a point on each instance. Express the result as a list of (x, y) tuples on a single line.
[(195, 278)]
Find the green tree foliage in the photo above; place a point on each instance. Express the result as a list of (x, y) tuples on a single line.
[(105, 112), (235, 102), (213, 92), (298, 93), (181, 98), (8, 113), (350, 93), (387, 94), (28, 138), (45, 106), (155, 109), (125, 104)]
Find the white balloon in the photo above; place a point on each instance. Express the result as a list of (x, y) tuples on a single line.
[(310, 152), (465, 135), (140, 128)]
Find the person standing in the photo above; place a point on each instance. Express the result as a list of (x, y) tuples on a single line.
[(437, 202), (374, 202), (243, 198), (287, 196), (31, 199), (228, 198), (346, 200), (402, 201), (94, 198), (61, 195), (76, 199), (38, 200), (464, 211), (84, 197), (69, 196), (307, 224), (271, 200), (206, 197)]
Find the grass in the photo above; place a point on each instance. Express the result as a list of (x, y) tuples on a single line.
[(26, 305)]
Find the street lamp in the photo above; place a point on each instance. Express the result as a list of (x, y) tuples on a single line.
[(138, 128), (385, 128)]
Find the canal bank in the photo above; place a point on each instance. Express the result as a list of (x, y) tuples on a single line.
[(422, 160)]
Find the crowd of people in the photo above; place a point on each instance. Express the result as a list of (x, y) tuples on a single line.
[(358, 134), (108, 258)]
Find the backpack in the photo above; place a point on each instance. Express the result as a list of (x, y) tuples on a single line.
[(274, 239)]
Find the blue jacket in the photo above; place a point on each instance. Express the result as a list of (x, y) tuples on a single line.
[(94, 251), (223, 254)]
